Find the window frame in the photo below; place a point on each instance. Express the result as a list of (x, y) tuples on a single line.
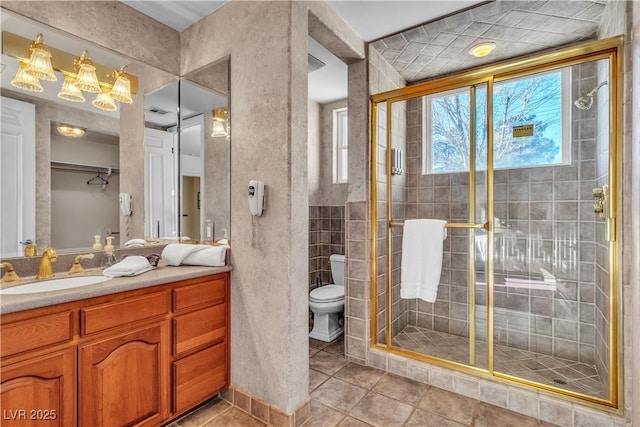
[(340, 145), (566, 134)]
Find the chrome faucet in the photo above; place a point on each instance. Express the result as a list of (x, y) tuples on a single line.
[(46, 271)]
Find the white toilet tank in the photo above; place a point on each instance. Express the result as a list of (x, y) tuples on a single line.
[(337, 269)]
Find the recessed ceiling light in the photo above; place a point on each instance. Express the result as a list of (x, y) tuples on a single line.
[(482, 49)]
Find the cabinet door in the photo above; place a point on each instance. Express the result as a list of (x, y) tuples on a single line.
[(40, 391), (123, 380)]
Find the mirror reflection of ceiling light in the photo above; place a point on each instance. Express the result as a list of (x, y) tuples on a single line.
[(482, 49), (38, 62), (70, 131), (219, 125)]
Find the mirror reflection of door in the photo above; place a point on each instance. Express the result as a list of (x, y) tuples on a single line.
[(17, 176)]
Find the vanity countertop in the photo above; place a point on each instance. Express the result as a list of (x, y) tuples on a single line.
[(159, 276)]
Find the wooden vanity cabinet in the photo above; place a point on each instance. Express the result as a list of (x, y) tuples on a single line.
[(141, 357)]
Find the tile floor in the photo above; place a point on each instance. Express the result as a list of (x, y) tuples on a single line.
[(554, 371), (346, 394)]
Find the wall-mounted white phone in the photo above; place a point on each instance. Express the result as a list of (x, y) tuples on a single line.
[(256, 197), (125, 204)]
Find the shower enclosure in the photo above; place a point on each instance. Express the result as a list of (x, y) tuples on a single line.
[(520, 159)]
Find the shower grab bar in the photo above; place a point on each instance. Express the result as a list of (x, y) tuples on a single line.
[(448, 225)]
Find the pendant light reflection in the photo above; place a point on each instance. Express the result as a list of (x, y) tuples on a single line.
[(104, 102), (25, 80), (69, 91), (40, 61), (219, 125), (87, 80), (121, 90)]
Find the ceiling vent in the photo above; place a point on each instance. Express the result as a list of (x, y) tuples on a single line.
[(314, 63), (156, 110)]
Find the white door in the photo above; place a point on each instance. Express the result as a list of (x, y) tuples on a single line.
[(17, 176), (159, 184)]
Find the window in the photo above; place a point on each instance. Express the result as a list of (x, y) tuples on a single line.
[(340, 146), (539, 102)]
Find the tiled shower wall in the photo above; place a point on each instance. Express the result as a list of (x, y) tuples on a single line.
[(326, 237), (382, 78), (539, 205)]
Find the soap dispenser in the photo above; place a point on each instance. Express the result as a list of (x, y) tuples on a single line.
[(97, 246), (109, 257)]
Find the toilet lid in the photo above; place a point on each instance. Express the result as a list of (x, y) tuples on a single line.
[(327, 293)]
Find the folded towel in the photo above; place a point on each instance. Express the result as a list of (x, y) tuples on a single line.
[(132, 265), (205, 255), (421, 264)]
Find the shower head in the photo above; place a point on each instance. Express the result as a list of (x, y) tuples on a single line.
[(586, 101)]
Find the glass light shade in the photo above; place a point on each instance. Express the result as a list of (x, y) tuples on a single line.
[(70, 131), (69, 91), (104, 102), (87, 79), (482, 49), (26, 81), (219, 125), (40, 61), (121, 90)]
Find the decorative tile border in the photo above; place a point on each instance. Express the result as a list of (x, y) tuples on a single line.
[(262, 411)]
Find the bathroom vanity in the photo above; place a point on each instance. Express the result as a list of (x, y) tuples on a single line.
[(143, 351)]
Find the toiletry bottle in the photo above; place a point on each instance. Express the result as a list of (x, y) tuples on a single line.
[(97, 246), (109, 257)]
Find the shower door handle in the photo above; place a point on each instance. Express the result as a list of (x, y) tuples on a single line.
[(601, 194)]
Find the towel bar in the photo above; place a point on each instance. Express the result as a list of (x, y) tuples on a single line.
[(449, 225)]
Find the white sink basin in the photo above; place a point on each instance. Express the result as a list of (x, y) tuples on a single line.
[(54, 285)]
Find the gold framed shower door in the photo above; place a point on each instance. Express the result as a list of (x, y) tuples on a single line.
[(610, 49)]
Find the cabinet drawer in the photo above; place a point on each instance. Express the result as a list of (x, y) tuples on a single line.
[(199, 376), (199, 328), (199, 294), (107, 316), (31, 334)]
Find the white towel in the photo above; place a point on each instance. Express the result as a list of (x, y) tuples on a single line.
[(210, 256), (130, 266), (422, 249)]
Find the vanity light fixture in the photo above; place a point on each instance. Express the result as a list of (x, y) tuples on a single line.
[(86, 79), (104, 102), (482, 49), (80, 73), (70, 131), (40, 61), (121, 90), (69, 91), (219, 125), (24, 80)]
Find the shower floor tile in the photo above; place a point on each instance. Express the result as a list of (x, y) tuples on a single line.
[(544, 369)]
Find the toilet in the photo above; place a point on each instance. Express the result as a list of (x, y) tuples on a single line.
[(327, 304)]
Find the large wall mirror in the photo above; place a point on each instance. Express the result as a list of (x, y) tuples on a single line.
[(67, 188)]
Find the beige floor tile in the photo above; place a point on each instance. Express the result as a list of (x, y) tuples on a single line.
[(326, 363), (400, 388), (205, 413), (317, 344), (421, 418), (363, 376), (234, 417), (338, 395), (450, 405), (336, 347), (315, 379), (353, 422), (379, 410), (491, 416), (323, 416)]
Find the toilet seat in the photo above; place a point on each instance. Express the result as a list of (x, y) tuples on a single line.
[(327, 293)]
